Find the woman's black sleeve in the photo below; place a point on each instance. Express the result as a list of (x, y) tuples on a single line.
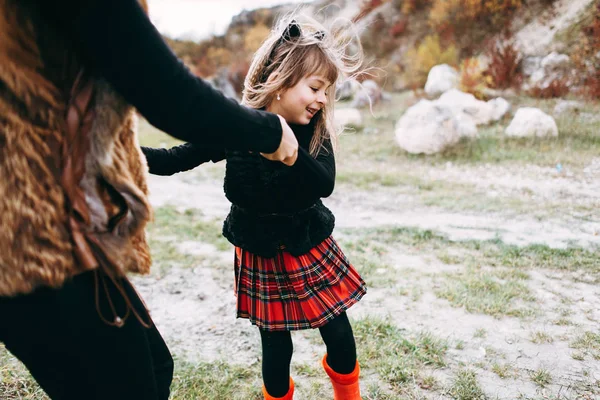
[(118, 41)]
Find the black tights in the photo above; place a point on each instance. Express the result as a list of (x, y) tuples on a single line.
[(277, 351)]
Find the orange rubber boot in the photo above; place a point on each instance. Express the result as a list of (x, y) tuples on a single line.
[(289, 395), (345, 386)]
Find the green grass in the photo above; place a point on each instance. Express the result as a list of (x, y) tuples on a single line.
[(490, 253), (172, 226), (307, 370), (398, 359), (480, 333), (562, 322), (577, 144), (494, 281), (202, 381), (540, 337), (588, 344), (151, 137), (465, 386), (216, 380), (482, 292), (376, 392), (15, 380), (370, 259), (504, 371), (541, 377), (189, 224), (367, 161), (429, 191)]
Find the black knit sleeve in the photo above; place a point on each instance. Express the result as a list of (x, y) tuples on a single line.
[(179, 158), (116, 38), (315, 177)]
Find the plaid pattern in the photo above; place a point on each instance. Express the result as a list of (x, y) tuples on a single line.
[(290, 293)]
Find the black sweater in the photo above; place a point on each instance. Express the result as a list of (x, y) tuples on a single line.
[(272, 204), (117, 40)]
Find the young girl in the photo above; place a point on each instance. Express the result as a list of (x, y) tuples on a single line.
[(290, 274)]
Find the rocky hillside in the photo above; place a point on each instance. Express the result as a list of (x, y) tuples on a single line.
[(492, 43)]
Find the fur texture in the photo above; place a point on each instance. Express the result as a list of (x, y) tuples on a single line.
[(35, 245)]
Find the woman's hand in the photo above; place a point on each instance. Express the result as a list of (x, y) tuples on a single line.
[(287, 152)]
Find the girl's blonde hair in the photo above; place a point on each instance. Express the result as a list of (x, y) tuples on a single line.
[(298, 47)]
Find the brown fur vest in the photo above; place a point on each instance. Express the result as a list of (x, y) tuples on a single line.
[(37, 70)]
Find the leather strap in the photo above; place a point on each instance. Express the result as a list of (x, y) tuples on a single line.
[(79, 118)]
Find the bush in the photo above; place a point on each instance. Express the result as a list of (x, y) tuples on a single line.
[(472, 79), (399, 28), (255, 36), (237, 73), (557, 88), (503, 70), (461, 18), (586, 58), (428, 54), (410, 6), (592, 85)]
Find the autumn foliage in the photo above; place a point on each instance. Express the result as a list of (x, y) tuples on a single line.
[(503, 70)]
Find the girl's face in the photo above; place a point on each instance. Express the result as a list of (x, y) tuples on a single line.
[(300, 103)]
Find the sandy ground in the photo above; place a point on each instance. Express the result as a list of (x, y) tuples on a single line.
[(195, 308)]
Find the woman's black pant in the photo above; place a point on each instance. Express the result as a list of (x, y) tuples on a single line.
[(73, 354)]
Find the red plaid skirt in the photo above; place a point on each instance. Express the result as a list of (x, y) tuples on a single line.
[(290, 293)]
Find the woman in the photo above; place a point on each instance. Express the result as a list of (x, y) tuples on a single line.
[(74, 198)]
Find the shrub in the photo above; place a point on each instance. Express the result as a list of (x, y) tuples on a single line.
[(410, 6), (255, 36), (587, 55), (399, 28), (463, 17), (428, 54), (503, 70), (559, 87), (472, 79)]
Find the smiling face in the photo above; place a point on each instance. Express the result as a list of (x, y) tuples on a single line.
[(300, 103)]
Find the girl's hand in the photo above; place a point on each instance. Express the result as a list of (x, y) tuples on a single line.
[(287, 152)]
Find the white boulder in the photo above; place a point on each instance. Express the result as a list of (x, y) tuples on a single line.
[(348, 117), (428, 128), (440, 79), (530, 121), (481, 112)]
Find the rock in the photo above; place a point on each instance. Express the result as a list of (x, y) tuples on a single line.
[(428, 128), (500, 107), (552, 67), (531, 64), (555, 62), (369, 94), (480, 111), (593, 169), (348, 117), (530, 121), (567, 106), (221, 82), (345, 90), (441, 78), (589, 118)]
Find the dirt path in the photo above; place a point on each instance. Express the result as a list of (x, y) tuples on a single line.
[(194, 308)]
